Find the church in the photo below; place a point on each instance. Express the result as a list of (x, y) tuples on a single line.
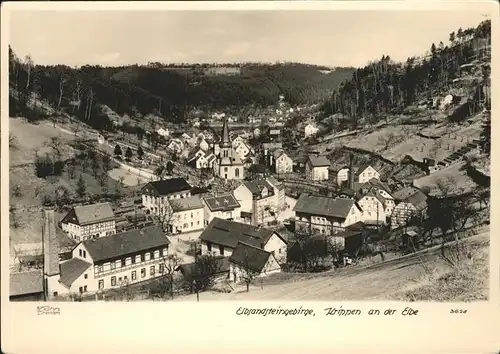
[(228, 164)]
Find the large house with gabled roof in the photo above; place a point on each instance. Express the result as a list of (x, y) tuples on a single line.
[(156, 194), (317, 168), (248, 262), (325, 215), (221, 237), (89, 221), (258, 201), (111, 262)]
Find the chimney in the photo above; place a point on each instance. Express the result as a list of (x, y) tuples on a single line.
[(50, 245), (351, 172)]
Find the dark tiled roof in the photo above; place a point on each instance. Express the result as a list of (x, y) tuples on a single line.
[(257, 185), (188, 268), (318, 161), (221, 202), (72, 270), (90, 214), (229, 233), (118, 245), (24, 283), (275, 183), (325, 206), (168, 186), (258, 168), (249, 257)]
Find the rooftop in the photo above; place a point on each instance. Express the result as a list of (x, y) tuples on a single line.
[(229, 233), (168, 186), (72, 270), (90, 214), (324, 206), (24, 283), (129, 242), (318, 161), (249, 257), (221, 202), (185, 204)]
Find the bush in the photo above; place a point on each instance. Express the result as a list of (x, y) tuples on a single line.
[(45, 167)]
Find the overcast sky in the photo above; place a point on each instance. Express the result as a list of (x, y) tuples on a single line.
[(333, 38)]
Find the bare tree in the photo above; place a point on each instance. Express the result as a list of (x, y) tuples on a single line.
[(166, 216), (170, 264), (102, 179), (13, 142), (204, 272), (247, 272), (28, 62)]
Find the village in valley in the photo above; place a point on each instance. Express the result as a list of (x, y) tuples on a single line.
[(316, 199)]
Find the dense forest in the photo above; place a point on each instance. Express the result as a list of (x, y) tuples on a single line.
[(152, 89), (385, 86)]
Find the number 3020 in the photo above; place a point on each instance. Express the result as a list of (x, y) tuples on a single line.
[(455, 311)]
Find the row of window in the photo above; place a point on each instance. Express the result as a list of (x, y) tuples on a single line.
[(120, 281), (121, 263), (153, 200)]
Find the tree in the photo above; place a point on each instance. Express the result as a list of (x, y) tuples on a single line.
[(118, 151), (95, 165), (452, 37), (166, 284), (71, 167), (166, 216), (102, 179), (106, 164), (13, 142), (128, 154), (140, 153), (169, 167), (81, 188), (204, 272)]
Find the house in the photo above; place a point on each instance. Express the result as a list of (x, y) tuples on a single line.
[(26, 286), (202, 160), (315, 246), (268, 150), (221, 237), (243, 150), (163, 132), (221, 269), (89, 221), (317, 168), (238, 140), (249, 262), (257, 200), (228, 165), (203, 144), (185, 137), (325, 215), (110, 262), (366, 173), (176, 145), (100, 139), (282, 163), (258, 171), (274, 133), (256, 131), (155, 194), (224, 206), (310, 130), (410, 202), (279, 192), (342, 176), (183, 215), (374, 198)]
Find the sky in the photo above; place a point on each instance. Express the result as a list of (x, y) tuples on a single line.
[(332, 38)]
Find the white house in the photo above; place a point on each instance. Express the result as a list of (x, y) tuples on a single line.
[(279, 193), (250, 262), (221, 237), (282, 162), (366, 173), (163, 132), (89, 221), (242, 150), (325, 215), (317, 168), (257, 200), (310, 130), (410, 202), (223, 206), (176, 145), (186, 214), (237, 141), (342, 176), (109, 262), (203, 144), (155, 195)]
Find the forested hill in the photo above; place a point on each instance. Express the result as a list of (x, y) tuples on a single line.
[(164, 90), (385, 86)]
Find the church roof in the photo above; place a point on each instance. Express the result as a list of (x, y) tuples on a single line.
[(225, 133)]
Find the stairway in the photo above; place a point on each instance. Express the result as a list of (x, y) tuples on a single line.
[(459, 154)]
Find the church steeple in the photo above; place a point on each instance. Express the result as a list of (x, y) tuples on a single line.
[(226, 141)]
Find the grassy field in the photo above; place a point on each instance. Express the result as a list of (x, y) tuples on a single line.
[(390, 280), (129, 178), (32, 189), (454, 176)]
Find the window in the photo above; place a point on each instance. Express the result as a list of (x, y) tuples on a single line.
[(81, 289), (157, 254), (237, 172), (134, 275), (84, 254), (120, 279), (80, 253), (118, 264), (161, 268), (55, 293), (143, 272), (138, 259), (152, 270), (85, 276), (113, 265), (133, 260), (225, 169), (165, 251), (85, 288), (113, 281), (142, 258), (148, 256), (123, 263), (209, 247), (191, 215), (221, 250), (101, 284), (100, 268)]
